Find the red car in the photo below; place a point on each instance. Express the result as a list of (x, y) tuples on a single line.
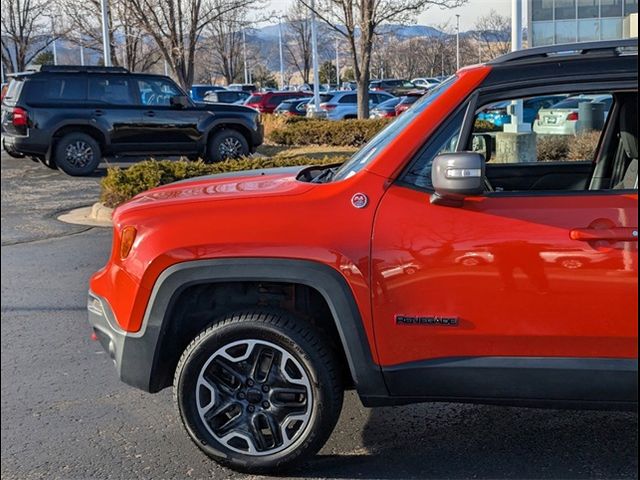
[(267, 102), (409, 99), (261, 296)]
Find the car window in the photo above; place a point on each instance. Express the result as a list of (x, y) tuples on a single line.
[(110, 90), (13, 91), (276, 99), (57, 89), (255, 99), (157, 92), (348, 99)]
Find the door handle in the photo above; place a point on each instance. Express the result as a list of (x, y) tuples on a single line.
[(98, 113), (150, 113), (616, 234)]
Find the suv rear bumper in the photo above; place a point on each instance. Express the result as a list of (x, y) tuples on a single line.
[(25, 145), (132, 353)]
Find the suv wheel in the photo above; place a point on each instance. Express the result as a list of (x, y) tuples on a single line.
[(258, 391), (227, 144), (77, 154)]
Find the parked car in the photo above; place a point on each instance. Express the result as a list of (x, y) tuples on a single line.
[(267, 102), (386, 109), (198, 92), (296, 107), (70, 116), (563, 118), (499, 116), (426, 82), (262, 296), (343, 105), (392, 86), (227, 96), (245, 87), (409, 99)]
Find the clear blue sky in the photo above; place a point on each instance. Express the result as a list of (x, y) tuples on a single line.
[(435, 16)]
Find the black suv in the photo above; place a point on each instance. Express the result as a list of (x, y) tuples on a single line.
[(69, 117)]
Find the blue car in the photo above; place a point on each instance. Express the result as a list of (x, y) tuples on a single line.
[(198, 92), (498, 114)]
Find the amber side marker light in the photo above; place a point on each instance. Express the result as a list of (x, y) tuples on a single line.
[(126, 241)]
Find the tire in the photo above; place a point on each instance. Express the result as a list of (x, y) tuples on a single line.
[(223, 360), (226, 144), (77, 154)]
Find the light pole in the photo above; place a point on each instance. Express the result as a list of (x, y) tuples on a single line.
[(314, 55), (54, 44), (457, 42), (281, 54), (244, 55), (337, 63), (106, 44), (82, 55), (517, 115)]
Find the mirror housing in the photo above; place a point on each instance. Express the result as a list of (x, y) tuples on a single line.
[(179, 101), (456, 176)]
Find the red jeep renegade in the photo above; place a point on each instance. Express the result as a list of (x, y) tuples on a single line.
[(445, 261)]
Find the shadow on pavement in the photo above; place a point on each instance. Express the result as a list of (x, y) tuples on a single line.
[(463, 441)]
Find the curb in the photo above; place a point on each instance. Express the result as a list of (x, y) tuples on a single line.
[(97, 215)]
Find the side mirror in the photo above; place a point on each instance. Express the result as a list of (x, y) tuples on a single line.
[(482, 143), (456, 176), (179, 101)]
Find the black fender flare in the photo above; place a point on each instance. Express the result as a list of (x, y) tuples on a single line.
[(367, 375)]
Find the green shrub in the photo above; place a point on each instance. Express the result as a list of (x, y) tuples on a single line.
[(482, 126), (121, 185), (345, 133)]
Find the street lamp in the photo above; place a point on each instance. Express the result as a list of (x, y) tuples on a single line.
[(106, 44), (244, 55), (457, 42), (314, 56), (281, 54)]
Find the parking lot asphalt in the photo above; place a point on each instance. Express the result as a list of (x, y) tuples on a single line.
[(66, 415)]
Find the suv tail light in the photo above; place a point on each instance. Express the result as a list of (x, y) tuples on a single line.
[(327, 107), (573, 117), (20, 117)]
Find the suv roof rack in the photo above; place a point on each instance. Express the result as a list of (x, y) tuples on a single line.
[(609, 48), (76, 69)]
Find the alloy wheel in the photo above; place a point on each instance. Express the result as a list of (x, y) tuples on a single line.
[(79, 153), (254, 397)]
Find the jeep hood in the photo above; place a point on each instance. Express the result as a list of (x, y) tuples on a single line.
[(247, 184)]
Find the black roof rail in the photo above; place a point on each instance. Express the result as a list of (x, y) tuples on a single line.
[(79, 69), (610, 47)]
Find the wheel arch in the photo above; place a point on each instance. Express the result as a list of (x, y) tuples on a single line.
[(158, 326), (239, 127), (61, 130)]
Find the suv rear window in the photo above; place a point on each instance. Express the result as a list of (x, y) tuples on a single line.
[(56, 89), (13, 91)]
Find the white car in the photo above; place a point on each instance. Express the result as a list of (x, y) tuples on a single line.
[(343, 105), (426, 82), (563, 118)]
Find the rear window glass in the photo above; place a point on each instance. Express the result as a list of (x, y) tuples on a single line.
[(572, 102), (13, 91), (112, 90), (348, 99), (56, 89)]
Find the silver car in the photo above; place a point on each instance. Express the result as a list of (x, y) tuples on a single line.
[(563, 118), (343, 105)]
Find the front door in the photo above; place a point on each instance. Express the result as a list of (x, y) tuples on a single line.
[(165, 128), (467, 299)]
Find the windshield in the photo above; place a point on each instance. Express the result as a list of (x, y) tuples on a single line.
[(362, 158)]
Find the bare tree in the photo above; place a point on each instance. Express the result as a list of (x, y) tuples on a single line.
[(225, 39), (26, 31), (297, 41), (493, 34), (359, 21), (177, 26)]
